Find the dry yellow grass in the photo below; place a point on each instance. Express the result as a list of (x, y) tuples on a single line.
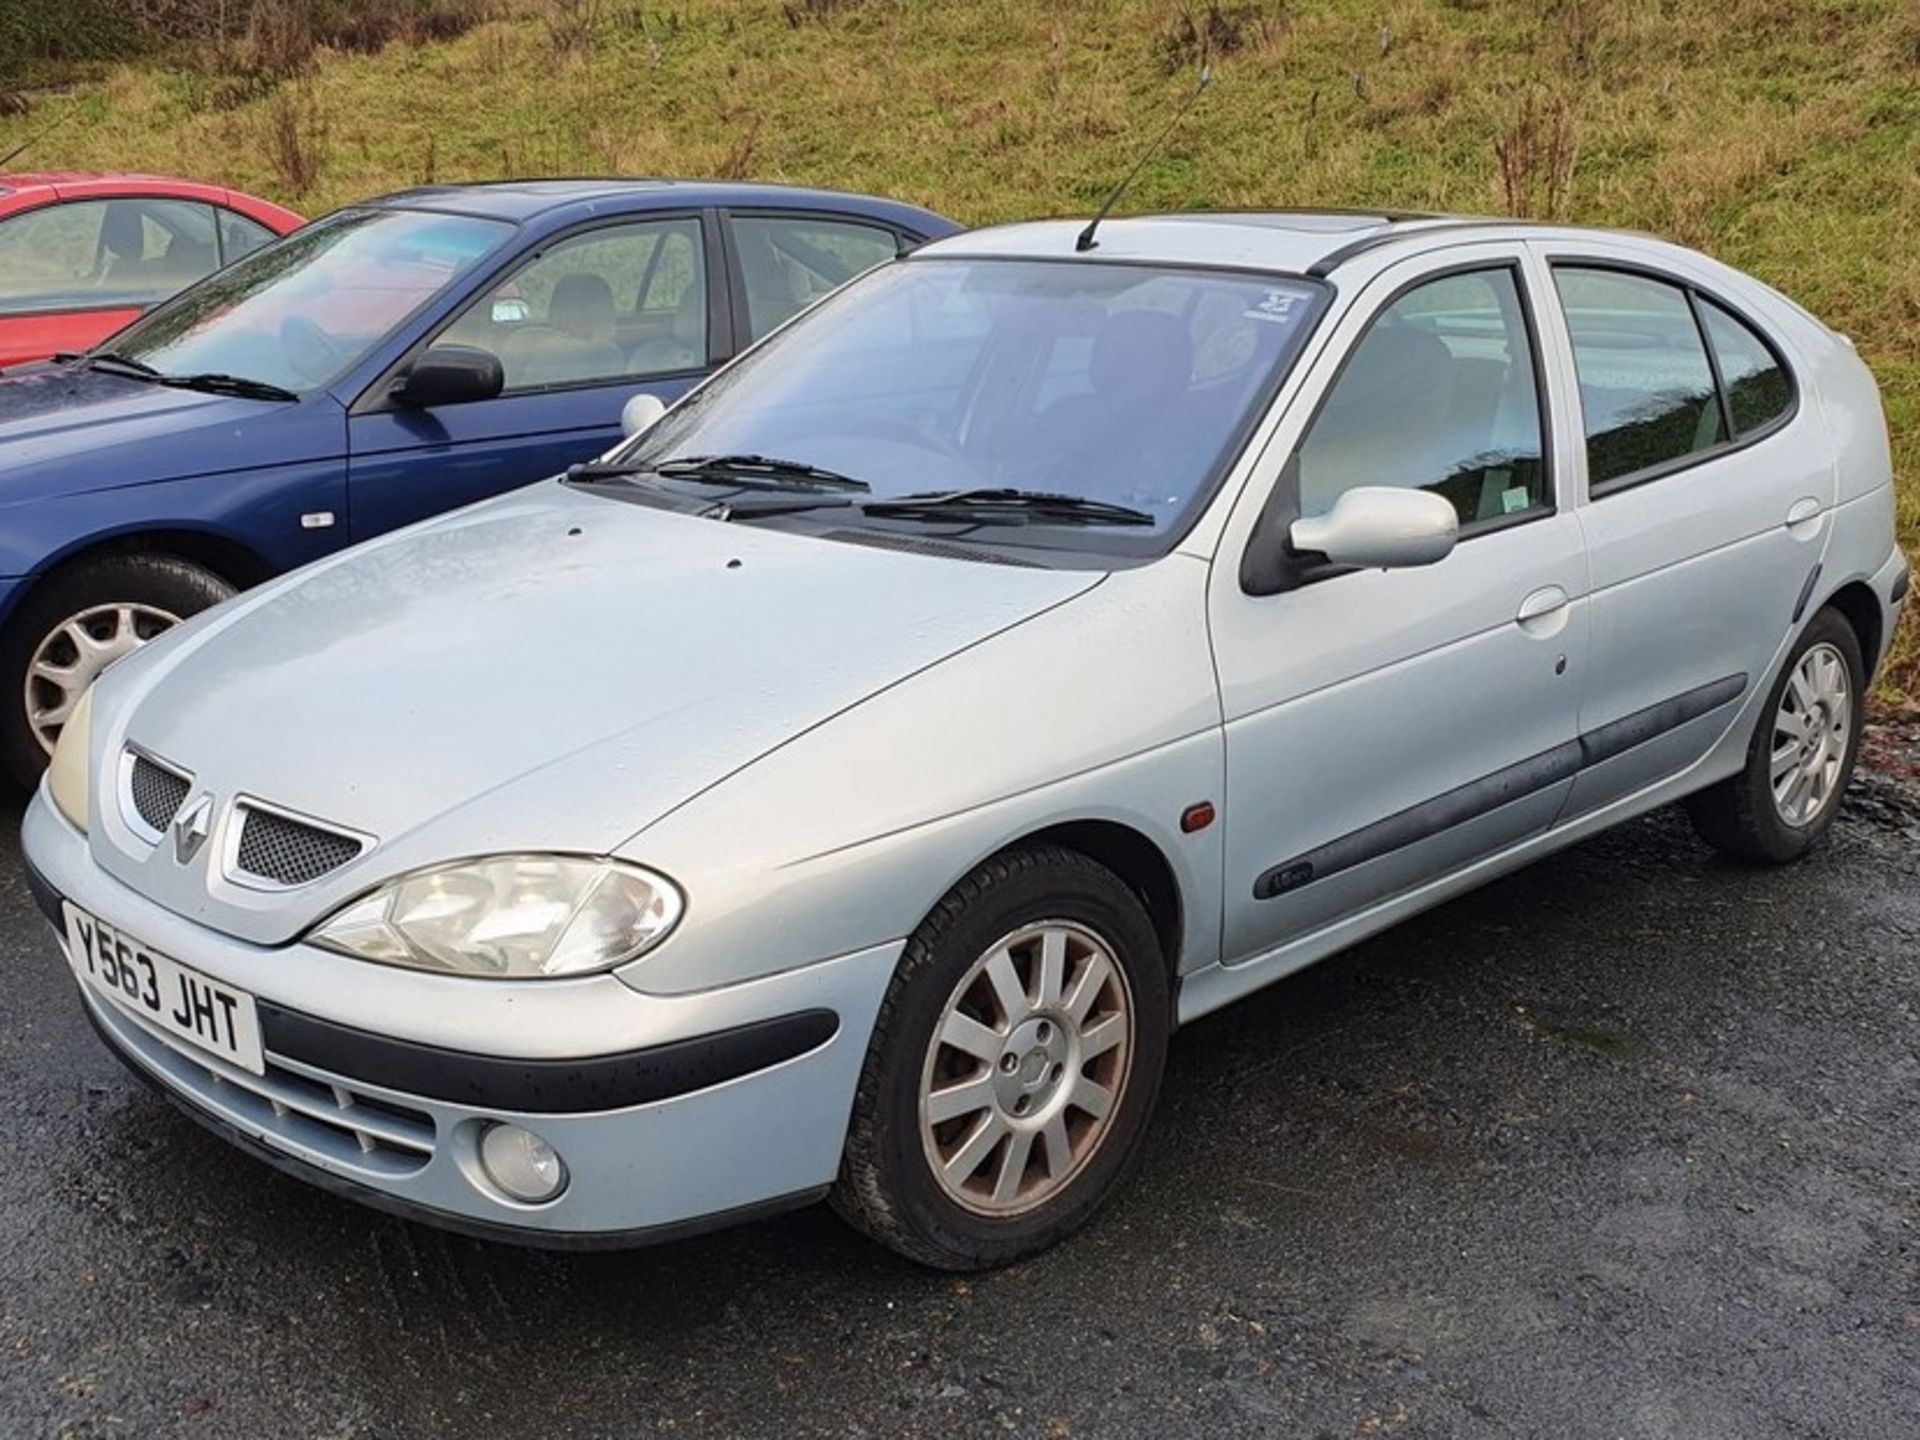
[(1782, 135)]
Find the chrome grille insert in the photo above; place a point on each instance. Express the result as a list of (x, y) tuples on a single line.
[(305, 1110), (153, 792), (283, 850)]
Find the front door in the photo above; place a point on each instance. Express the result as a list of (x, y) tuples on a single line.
[(1385, 727), (585, 324)]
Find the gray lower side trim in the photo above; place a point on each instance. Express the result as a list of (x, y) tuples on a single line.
[(1901, 586), (1502, 787)]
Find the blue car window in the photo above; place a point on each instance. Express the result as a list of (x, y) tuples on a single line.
[(621, 302), (306, 309)]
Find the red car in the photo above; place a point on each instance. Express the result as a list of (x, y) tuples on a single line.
[(83, 255)]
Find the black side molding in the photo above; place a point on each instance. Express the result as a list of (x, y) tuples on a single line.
[(1488, 793), (1901, 586), (1422, 821), (1618, 736), (1806, 594), (544, 1087)]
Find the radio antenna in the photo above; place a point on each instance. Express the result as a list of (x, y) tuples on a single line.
[(1086, 240), (32, 140)]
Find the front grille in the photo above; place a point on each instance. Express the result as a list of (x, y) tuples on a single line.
[(305, 1109), (285, 851), (157, 793)]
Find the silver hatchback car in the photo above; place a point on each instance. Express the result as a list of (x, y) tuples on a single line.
[(846, 785)]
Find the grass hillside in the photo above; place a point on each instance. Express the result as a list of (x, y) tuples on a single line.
[(1782, 135)]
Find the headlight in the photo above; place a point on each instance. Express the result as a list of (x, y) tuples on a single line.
[(509, 917), (67, 771)]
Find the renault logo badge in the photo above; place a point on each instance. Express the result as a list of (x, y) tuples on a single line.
[(191, 828)]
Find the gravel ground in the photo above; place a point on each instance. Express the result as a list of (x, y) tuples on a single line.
[(1622, 1145)]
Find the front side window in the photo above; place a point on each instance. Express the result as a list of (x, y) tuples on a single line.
[(305, 310), (789, 262), (1646, 387), (1440, 394), (619, 303), (1118, 383), (104, 254)]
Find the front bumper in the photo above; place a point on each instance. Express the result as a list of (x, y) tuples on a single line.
[(714, 1107)]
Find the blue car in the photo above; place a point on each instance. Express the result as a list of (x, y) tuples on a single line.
[(390, 361)]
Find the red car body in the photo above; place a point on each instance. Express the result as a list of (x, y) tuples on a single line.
[(83, 255)]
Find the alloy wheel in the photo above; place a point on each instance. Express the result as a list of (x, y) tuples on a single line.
[(1026, 1068), (75, 652), (1811, 732)]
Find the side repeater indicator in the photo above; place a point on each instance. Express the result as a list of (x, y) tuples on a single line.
[(1196, 817)]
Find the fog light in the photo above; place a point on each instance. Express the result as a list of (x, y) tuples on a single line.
[(522, 1164)]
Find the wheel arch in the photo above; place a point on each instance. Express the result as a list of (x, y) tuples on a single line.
[(1139, 862), (1861, 609), (238, 564)]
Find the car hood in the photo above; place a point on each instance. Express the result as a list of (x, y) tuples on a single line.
[(66, 429), (553, 669)]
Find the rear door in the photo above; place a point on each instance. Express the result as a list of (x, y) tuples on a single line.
[(785, 260), (1387, 727), (1708, 495), (580, 325)]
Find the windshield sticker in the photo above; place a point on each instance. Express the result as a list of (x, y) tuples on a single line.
[(1277, 308)]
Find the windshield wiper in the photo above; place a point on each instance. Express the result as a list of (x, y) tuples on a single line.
[(215, 383), (116, 363), (768, 471), (1007, 507)]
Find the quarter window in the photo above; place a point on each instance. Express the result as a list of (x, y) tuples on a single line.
[(787, 263), (240, 236), (1440, 394), (1758, 391), (620, 303), (1646, 387)]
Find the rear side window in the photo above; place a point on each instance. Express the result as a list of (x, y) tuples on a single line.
[(1438, 395), (1758, 391), (104, 254), (1646, 386), (788, 262)]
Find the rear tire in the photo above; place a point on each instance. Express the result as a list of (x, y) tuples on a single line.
[(1013, 1067), (1800, 757), (73, 625)]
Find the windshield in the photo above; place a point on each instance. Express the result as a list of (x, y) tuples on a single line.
[(1118, 383), (305, 310)]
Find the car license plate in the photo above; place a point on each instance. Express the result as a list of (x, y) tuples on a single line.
[(197, 1009)]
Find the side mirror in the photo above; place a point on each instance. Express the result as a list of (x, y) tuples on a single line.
[(450, 375), (1377, 527), (639, 414)]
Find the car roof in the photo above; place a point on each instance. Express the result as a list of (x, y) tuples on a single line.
[(566, 199), (1294, 242), (22, 182)]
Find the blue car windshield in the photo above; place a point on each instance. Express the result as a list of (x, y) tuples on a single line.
[(1115, 382), (304, 310)]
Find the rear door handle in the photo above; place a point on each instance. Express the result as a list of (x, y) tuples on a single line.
[(1803, 518), (1543, 612)]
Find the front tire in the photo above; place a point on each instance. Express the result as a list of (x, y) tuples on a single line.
[(1801, 755), (74, 625), (1013, 1067)]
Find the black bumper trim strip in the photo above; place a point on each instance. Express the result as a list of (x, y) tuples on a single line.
[(1480, 797), (44, 895), (544, 1087)]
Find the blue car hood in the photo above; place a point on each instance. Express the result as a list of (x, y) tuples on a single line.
[(65, 430)]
